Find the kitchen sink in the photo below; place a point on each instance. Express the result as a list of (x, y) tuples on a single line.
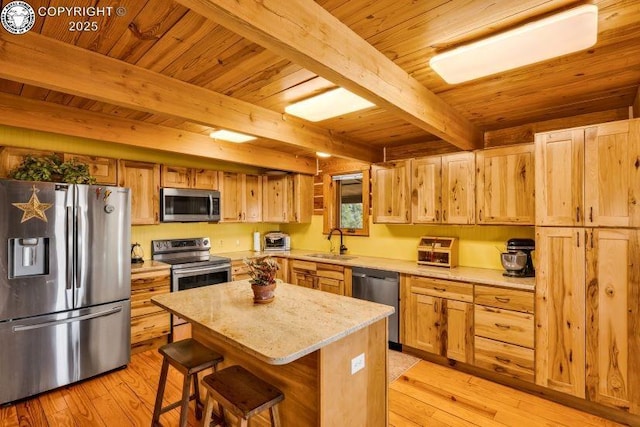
[(332, 256)]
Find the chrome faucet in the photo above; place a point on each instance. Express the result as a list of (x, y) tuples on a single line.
[(343, 248)]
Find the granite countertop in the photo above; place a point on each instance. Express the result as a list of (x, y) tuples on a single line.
[(483, 276), (298, 322), (149, 265)]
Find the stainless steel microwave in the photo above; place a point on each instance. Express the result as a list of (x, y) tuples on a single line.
[(182, 205)]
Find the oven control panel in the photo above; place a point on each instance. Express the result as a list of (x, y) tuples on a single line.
[(179, 245)]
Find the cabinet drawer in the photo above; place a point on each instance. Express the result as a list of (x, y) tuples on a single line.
[(141, 300), (148, 280), (504, 325), (330, 270), (150, 326), (509, 299), (302, 265), (237, 269), (334, 286), (442, 288), (503, 358)]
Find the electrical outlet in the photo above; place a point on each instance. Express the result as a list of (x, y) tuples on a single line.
[(357, 363)]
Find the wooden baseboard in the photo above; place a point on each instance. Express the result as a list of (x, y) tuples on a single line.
[(534, 389)]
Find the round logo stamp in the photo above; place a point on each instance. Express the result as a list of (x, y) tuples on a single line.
[(17, 17)]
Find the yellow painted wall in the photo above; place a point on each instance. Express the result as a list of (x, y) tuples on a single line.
[(479, 246), (224, 237)]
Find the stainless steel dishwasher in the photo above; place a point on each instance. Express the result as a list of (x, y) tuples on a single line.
[(382, 287)]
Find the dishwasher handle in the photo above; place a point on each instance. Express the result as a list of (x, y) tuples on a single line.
[(368, 276)]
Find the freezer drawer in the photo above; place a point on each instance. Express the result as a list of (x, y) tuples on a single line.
[(44, 352)]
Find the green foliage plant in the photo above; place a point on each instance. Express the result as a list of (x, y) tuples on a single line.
[(52, 169)]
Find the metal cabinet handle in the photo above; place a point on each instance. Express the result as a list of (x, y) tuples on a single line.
[(444, 215), (578, 238), (437, 215), (502, 326), (440, 289), (591, 214), (577, 213), (503, 359), (480, 215), (501, 299)]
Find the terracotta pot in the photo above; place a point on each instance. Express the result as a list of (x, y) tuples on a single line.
[(263, 294)]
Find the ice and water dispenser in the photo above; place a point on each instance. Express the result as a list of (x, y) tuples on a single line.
[(28, 257)]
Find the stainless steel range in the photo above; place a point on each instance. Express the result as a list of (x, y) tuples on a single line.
[(191, 265)]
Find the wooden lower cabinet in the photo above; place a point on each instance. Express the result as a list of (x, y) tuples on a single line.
[(504, 331), (239, 270), (434, 321), (325, 277), (613, 318), (150, 324)]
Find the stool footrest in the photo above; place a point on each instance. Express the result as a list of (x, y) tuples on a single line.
[(177, 404)]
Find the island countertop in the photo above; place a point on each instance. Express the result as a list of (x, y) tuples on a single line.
[(298, 322)]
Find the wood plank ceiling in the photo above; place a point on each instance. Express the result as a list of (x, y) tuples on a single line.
[(193, 58)]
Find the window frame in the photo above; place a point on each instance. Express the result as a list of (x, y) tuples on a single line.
[(331, 204)]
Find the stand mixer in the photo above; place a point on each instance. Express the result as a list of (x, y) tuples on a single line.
[(517, 260)]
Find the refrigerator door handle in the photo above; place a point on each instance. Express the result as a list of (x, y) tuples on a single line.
[(20, 328), (69, 245), (80, 254)]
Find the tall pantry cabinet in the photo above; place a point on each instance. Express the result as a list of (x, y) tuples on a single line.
[(588, 263)]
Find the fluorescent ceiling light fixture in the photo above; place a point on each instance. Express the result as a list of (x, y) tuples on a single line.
[(323, 155), (566, 32), (227, 135), (334, 103)]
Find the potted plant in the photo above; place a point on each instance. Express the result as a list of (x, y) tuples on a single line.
[(52, 169), (263, 278)]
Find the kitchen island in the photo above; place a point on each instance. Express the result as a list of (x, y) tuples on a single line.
[(309, 344)]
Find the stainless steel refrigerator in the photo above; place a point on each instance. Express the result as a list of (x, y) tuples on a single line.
[(65, 284)]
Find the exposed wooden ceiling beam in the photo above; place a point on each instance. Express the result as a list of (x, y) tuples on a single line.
[(305, 33), (44, 116), (41, 61)]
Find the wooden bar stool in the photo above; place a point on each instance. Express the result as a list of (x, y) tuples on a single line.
[(241, 393), (189, 357)]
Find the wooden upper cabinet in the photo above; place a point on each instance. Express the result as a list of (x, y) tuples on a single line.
[(613, 318), (301, 198), (589, 176), (612, 174), (103, 169), (458, 188), (231, 198), (559, 177), (560, 309), (144, 181), (391, 192), (252, 209), (505, 185), (206, 179), (426, 188), (175, 177), (275, 200)]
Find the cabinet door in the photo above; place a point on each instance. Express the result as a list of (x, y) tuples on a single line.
[(144, 181), (303, 278), (612, 174), (458, 188), (205, 179), (460, 331), (175, 176), (301, 198), (426, 323), (613, 318), (333, 286), (103, 169), (283, 271), (275, 198), (12, 157), (391, 189), (426, 187), (252, 198), (504, 185), (560, 309), (231, 186), (559, 177)]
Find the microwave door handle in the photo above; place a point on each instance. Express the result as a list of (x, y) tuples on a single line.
[(210, 205)]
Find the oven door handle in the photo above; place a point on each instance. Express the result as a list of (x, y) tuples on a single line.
[(192, 271)]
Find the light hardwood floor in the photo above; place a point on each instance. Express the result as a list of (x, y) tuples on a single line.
[(426, 395)]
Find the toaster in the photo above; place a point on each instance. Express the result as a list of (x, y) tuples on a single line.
[(276, 241)]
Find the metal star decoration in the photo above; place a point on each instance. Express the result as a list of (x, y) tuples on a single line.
[(33, 208)]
